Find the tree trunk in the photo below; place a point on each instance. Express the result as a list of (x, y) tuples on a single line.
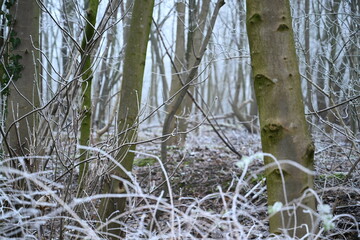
[(284, 131), (87, 76), (354, 62), (23, 93), (319, 76), (160, 64), (186, 62), (134, 63), (176, 104), (334, 89), (23, 96), (307, 54), (179, 66)]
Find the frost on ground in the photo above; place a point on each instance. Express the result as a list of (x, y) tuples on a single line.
[(211, 196)]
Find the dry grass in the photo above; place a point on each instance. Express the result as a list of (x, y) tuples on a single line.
[(40, 211)]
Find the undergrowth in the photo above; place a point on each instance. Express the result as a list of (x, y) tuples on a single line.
[(39, 210)]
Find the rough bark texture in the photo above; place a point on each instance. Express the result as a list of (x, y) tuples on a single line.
[(284, 131), (130, 98), (23, 96)]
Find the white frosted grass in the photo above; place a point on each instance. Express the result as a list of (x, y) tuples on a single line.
[(239, 214), (18, 218)]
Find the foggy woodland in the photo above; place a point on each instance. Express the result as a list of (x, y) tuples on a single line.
[(180, 119)]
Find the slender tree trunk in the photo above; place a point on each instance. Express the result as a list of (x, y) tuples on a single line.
[(354, 61), (108, 78), (307, 54), (179, 66), (239, 102), (3, 81), (87, 76), (334, 89), (160, 64), (134, 63), (68, 11), (176, 104), (284, 131), (185, 63), (195, 38), (153, 81)]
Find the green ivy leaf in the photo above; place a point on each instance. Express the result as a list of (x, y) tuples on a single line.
[(9, 3), (15, 42), (8, 18)]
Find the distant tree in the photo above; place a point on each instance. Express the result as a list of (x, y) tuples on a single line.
[(185, 60), (284, 131), (109, 77), (178, 70), (187, 79)]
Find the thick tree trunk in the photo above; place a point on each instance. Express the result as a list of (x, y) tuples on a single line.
[(134, 63), (284, 131), (21, 75), (23, 96)]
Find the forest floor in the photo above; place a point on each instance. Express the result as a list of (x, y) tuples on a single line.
[(211, 196), (205, 165)]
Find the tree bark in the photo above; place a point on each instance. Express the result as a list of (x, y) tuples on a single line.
[(23, 95), (87, 76), (130, 98), (284, 131), (23, 84)]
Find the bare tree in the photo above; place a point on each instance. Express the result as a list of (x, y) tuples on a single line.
[(184, 62)]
